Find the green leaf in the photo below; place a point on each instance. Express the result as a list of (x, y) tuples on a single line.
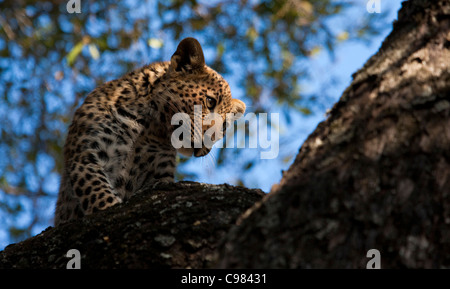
[(305, 110), (73, 54), (155, 43), (315, 51), (341, 37), (220, 49), (252, 34)]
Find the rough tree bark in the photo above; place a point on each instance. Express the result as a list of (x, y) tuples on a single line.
[(173, 226), (374, 175)]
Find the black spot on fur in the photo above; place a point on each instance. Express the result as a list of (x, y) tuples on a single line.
[(142, 166), (164, 175), (162, 117), (95, 146), (126, 114), (165, 164), (129, 186), (107, 141), (141, 122), (103, 155), (121, 140), (79, 192), (81, 182), (93, 198), (85, 204), (107, 130), (150, 159), (92, 159), (119, 182)]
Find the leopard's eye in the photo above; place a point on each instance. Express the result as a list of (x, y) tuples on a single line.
[(210, 102)]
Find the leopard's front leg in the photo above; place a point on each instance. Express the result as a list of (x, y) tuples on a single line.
[(151, 166), (92, 188)]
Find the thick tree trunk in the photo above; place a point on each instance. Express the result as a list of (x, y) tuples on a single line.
[(376, 173)]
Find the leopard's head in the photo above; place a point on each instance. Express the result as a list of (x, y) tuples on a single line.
[(204, 98)]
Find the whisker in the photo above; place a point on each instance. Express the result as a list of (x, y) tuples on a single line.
[(210, 164), (213, 159)]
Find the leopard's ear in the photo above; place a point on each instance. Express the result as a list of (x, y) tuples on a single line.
[(188, 57)]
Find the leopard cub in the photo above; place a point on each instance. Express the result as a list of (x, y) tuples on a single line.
[(120, 137)]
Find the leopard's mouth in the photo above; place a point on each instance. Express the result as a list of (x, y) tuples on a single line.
[(196, 152), (186, 151), (200, 152)]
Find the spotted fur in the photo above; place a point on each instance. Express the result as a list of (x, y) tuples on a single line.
[(120, 138)]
